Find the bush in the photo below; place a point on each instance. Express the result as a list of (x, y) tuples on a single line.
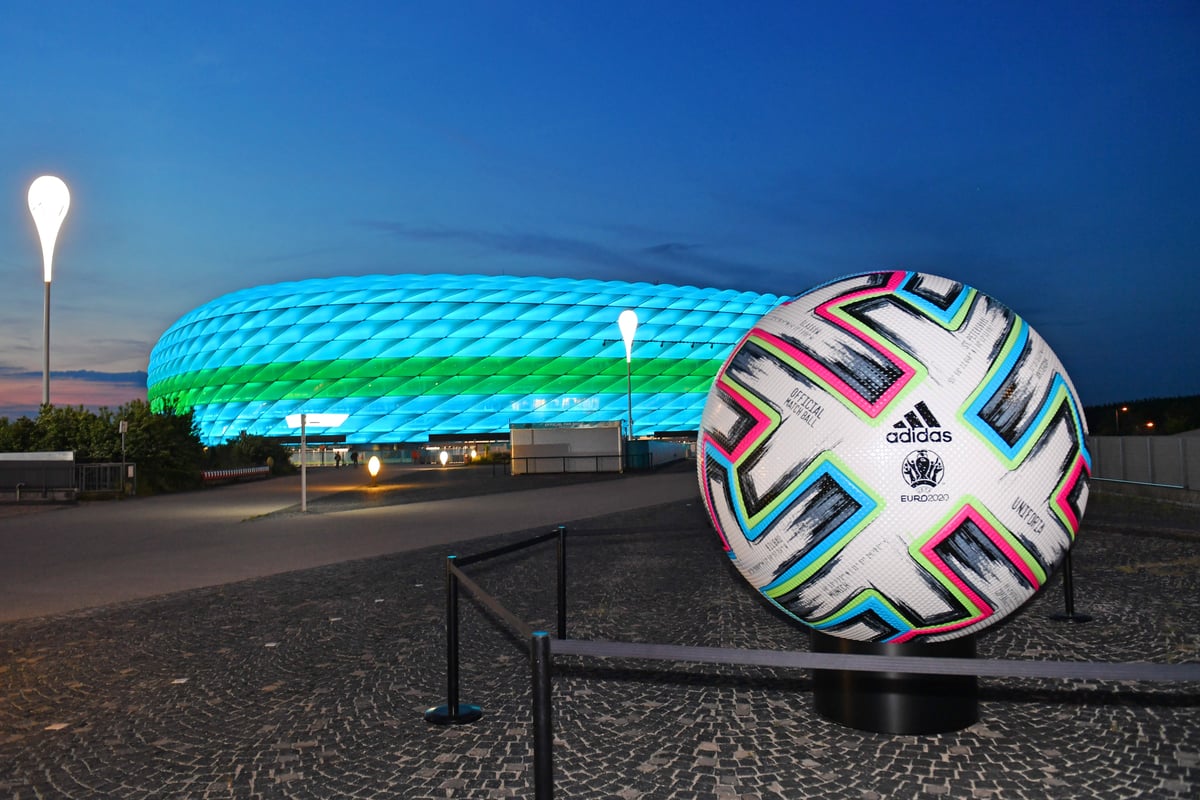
[(249, 451)]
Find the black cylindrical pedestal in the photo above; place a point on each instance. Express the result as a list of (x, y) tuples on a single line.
[(896, 702)]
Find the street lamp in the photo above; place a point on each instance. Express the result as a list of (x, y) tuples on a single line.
[(628, 322), (302, 421), (48, 203), (1117, 416)]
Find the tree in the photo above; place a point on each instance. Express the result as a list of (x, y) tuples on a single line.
[(166, 447), (17, 436), (72, 428)]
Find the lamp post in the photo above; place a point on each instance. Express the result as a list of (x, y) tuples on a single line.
[(1117, 416), (628, 322), (302, 421), (49, 200), (123, 427)]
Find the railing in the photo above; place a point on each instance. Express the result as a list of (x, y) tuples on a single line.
[(235, 474), (100, 478), (560, 464), (542, 647), (1159, 461)]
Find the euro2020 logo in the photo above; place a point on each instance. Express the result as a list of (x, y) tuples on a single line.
[(923, 468)]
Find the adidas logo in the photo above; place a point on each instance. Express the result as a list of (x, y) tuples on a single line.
[(918, 425)]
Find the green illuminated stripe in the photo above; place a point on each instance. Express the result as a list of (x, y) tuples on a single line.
[(391, 377)]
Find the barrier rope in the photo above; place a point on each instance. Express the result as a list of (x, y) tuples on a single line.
[(790, 659)]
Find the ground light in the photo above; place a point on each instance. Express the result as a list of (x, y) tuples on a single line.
[(444, 457), (49, 200), (373, 468)]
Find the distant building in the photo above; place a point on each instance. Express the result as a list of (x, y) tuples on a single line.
[(408, 357)]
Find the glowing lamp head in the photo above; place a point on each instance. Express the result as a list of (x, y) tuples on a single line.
[(628, 322), (315, 420), (444, 457), (373, 466), (49, 200)]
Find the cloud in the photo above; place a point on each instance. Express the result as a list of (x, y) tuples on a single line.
[(136, 377), (538, 245), (694, 264), (85, 375), (663, 262)]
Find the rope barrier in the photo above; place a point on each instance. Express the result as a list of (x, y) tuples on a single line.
[(543, 648), (991, 668)]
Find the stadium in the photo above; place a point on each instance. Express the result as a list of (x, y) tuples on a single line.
[(417, 358)]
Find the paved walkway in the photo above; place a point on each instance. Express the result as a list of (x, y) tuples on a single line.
[(312, 683), (61, 558)]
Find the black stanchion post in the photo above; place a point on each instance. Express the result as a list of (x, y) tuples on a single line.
[(562, 581), (543, 728), (453, 713), (1069, 614)]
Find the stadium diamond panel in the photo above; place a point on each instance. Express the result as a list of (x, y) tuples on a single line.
[(409, 356)]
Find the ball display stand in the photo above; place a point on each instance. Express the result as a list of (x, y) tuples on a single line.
[(1069, 614), (896, 702)]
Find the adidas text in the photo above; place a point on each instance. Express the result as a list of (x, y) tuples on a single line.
[(919, 435)]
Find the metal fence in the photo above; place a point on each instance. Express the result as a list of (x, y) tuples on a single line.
[(529, 465), (99, 478), (1171, 462)]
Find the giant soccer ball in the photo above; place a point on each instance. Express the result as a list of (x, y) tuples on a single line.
[(893, 457)]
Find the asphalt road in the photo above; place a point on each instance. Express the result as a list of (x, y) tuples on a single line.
[(63, 558)]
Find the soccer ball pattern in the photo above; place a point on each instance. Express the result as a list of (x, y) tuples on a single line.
[(894, 456)]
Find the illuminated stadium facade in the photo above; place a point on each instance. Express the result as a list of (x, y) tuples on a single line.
[(408, 357)]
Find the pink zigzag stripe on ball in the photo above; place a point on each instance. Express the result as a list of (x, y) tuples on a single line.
[(947, 574), (824, 374), (762, 423), (836, 385), (1063, 499), (894, 282)]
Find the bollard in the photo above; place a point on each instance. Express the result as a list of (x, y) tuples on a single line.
[(562, 581), (453, 713), (543, 728)]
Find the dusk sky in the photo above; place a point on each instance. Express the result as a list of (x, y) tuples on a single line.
[(1047, 153)]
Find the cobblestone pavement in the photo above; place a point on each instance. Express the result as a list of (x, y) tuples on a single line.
[(312, 684)]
